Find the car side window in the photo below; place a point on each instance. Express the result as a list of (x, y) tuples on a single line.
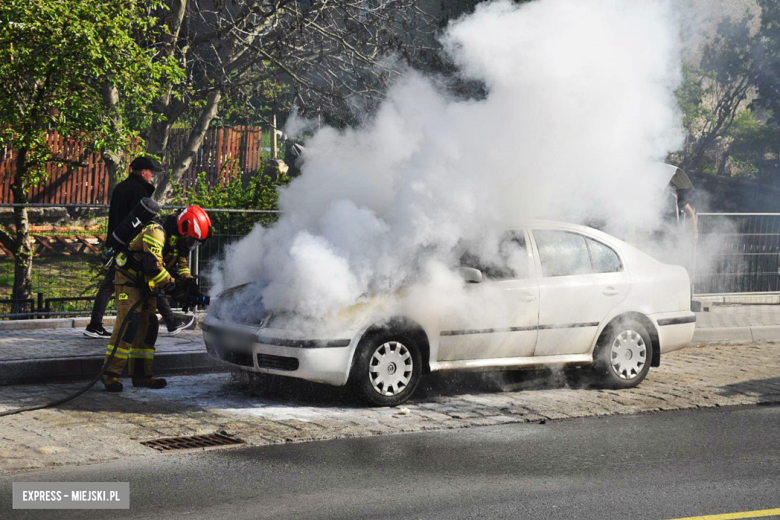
[(513, 256), (509, 262), (562, 253), (603, 258)]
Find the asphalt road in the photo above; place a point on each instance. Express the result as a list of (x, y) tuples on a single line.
[(650, 466)]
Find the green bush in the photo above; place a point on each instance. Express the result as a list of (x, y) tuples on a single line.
[(258, 192)]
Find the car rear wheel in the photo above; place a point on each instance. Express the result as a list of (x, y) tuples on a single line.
[(623, 354), (387, 369)]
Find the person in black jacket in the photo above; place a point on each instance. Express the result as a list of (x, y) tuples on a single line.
[(126, 195)]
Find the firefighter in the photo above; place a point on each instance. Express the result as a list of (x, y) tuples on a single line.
[(156, 260)]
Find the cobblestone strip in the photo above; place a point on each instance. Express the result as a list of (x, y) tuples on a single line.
[(100, 427)]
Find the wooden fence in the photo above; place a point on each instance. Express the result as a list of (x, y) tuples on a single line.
[(223, 153)]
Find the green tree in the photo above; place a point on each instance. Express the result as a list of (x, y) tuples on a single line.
[(768, 51), (751, 141), (57, 59), (713, 93), (733, 95), (328, 58)]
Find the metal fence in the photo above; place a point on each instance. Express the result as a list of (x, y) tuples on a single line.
[(230, 225), (737, 253), (66, 276)]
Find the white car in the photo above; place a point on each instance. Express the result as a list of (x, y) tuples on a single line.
[(573, 296)]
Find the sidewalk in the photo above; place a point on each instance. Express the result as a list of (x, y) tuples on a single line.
[(63, 354), (60, 354), (738, 323)]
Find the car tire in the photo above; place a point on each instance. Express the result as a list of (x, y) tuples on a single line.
[(623, 355), (387, 368)]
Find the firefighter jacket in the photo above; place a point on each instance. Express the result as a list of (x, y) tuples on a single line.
[(153, 259)]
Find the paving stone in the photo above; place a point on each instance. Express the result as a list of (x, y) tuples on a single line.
[(51, 450), (14, 465)]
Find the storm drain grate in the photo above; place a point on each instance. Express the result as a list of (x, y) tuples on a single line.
[(194, 442)]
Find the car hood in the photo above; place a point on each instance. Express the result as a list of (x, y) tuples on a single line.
[(243, 304)]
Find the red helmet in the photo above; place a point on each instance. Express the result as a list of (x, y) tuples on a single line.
[(194, 222)]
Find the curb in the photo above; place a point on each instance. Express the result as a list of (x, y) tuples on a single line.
[(755, 334), (67, 323), (51, 323), (80, 368)]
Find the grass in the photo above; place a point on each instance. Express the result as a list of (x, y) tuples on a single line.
[(58, 276)]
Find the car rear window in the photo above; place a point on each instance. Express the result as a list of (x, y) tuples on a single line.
[(603, 258), (563, 253)]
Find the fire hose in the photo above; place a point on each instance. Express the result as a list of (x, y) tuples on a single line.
[(203, 300)]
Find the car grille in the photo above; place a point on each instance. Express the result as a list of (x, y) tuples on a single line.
[(277, 362)]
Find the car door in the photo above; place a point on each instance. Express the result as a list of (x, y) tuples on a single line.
[(581, 280), (497, 317)]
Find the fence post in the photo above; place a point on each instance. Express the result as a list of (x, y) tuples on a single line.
[(273, 140), (195, 265), (40, 303), (693, 260)]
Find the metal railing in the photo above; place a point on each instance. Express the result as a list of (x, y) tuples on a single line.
[(64, 284), (737, 253), (230, 225)]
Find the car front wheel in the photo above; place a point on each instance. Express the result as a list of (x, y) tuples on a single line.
[(623, 354), (387, 369)]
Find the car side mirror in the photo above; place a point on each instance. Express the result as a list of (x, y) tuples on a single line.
[(471, 275)]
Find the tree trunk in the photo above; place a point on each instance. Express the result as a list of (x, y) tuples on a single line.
[(723, 162), (160, 132), (22, 251), (184, 160), (115, 161), (698, 152)]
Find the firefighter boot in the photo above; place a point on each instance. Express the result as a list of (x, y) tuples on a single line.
[(142, 354), (150, 382), (112, 383)]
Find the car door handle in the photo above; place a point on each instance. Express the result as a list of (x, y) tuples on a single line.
[(528, 297), (611, 291)]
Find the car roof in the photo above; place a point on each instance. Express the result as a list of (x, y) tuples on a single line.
[(567, 226)]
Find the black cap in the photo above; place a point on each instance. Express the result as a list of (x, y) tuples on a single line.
[(145, 163)]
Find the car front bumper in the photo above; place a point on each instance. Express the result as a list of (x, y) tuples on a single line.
[(675, 329), (279, 351)]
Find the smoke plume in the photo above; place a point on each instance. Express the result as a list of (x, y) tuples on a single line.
[(579, 101)]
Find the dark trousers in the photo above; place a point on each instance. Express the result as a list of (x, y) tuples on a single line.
[(106, 291)]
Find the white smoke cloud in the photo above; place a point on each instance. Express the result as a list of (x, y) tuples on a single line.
[(579, 101)]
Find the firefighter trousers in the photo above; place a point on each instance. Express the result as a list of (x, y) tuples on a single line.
[(140, 334)]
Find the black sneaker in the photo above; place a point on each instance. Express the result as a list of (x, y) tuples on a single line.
[(96, 332), (180, 323)]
